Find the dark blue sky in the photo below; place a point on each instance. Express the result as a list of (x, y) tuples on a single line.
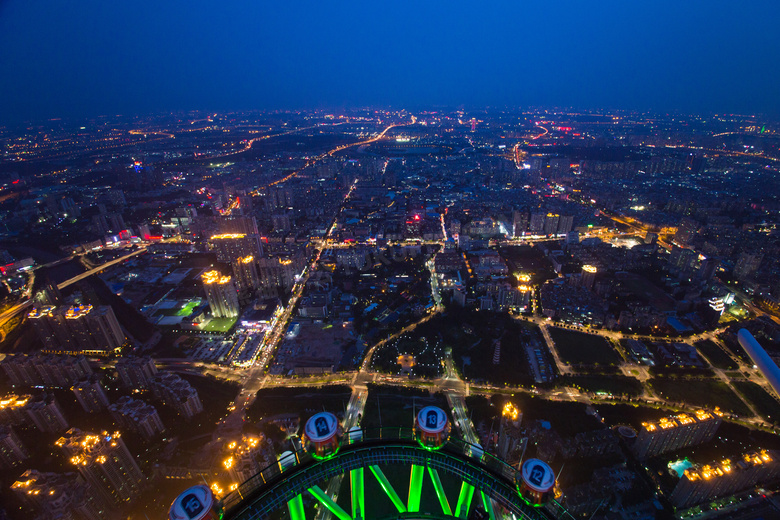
[(87, 57)]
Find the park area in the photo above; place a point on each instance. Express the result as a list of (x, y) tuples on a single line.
[(706, 393), (577, 348), (716, 355), (764, 403), (613, 385)]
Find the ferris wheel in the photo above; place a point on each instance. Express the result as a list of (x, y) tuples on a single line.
[(487, 485)]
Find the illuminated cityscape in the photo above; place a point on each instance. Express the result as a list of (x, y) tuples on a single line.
[(389, 261)]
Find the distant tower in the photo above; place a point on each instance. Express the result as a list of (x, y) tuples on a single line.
[(245, 272), (221, 294), (588, 276), (509, 436), (473, 124)]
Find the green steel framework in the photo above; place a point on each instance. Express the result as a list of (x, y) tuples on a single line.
[(484, 478)]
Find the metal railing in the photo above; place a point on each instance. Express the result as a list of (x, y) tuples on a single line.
[(376, 446)]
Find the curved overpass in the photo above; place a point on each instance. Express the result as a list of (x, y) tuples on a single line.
[(484, 478)]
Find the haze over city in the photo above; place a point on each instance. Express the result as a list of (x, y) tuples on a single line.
[(106, 58), (411, 260)]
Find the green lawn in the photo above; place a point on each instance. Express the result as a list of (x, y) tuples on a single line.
[(717, 356), (764, 403), (187, 309), (706, 393), (220, 324), (588, 349)]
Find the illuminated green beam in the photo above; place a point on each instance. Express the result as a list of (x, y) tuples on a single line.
[(488, 505), (388, 488), (464, 500), (326, 501), (296, 508), (358, 494), (445, 506), (415, 487)]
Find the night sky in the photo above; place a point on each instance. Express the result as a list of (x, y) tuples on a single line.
[(89, 57)]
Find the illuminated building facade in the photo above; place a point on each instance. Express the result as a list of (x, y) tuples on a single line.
[(91, 395), (12, 409), (509, 436), (232, 246), (245, 458), (245, 273), (59, 495), (104, 462), (675, 432), (221, 294), (135, 372), (588, 276), (703, 483), (12, 450)]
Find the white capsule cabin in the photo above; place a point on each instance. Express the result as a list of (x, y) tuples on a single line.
[(431, 427), (321, 434), (535, 480)]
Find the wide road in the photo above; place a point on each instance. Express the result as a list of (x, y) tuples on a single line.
[(100, 268)]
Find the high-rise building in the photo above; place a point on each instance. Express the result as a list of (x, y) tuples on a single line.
[(703, 483), (12, 409), (43, 370), (519, 223), (588, 276), (673, 433), (536, 226), (683, 259), (61, 496), (138, 416), (565, 224), (509, 435), (277, 274), (49, 323), (280, 221), (747, 264), (45, 412), (12, 451), (105, 329), (707, 268), (81, 328), (135, 372), (232, 246), (551, 224), (175, 391), (91, 395), (221, 294), (105, 463), (245, 273), (686, 231)]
